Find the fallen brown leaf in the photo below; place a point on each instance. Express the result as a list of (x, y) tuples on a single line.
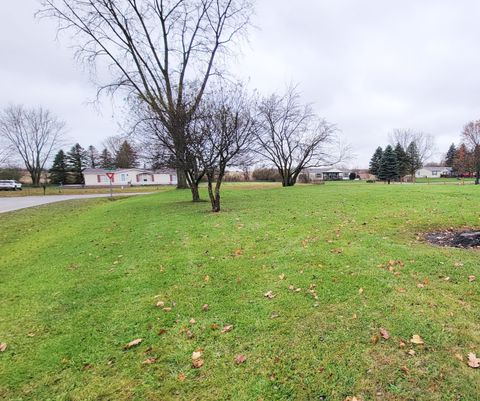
[(206, 278), (160, 304), (205, 307), (192, 321), (181, 377), (281, 276), (198, 363), (384, 333), (196, 355), (161, 332), (269, 295), (167, 309), (473, 361), (471, 278), (416, 339), (240, 359), (3, 347), (149, 361), (133, 343), (360, 291), (214, 326), (227, 328)]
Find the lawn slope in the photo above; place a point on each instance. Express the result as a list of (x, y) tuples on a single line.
[(79, 280)]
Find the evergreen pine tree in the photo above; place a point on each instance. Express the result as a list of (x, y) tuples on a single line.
[(450, 156), (106, 160), (93, 157), (375, 161), (388, 165), (414, 160), (402, 160), (77, 160), (58, 172), (126, 156)]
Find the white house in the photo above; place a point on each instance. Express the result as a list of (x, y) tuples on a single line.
[(433, 172), (95, 177), (326, 174)]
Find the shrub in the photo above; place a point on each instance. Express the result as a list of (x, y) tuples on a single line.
[(266, 174), (10, 173), (304, 178), (233, 176)]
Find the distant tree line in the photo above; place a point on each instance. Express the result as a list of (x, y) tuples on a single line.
[(408, 154), (465, 158), (67, 167)]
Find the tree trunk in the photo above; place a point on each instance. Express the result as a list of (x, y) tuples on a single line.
[(181, 179), (214, 195), (35, 175), (195, 192), (477, 178), (288, 181)]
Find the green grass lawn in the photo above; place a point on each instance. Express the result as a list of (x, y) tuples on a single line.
[(79, 280), (56, 190)]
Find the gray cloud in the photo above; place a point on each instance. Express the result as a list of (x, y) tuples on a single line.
[(367, 65)]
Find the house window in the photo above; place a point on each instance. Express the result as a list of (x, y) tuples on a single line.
[(434, 172), (123, 177), (318, 175)]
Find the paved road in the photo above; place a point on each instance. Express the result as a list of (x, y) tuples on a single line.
[(8, 204)]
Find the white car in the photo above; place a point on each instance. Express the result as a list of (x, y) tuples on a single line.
[(10, 185)]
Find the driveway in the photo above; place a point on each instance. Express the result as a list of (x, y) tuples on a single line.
[(8, 204)]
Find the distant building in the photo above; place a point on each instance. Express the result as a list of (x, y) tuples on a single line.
[(326, 174), (95, 177), (434, 172)]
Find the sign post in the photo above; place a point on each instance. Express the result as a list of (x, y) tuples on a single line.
[(110, 177)]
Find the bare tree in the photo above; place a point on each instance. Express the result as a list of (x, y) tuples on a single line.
[(292, 137), (5, 152), (156, 48), (113, 143), (471, 137), (33, 134), (223, 135), (425, 143), (160, 149)]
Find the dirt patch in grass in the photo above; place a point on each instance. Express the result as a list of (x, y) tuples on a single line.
[(455, 239)]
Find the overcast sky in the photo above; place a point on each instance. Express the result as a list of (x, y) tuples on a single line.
[(368, 66)]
